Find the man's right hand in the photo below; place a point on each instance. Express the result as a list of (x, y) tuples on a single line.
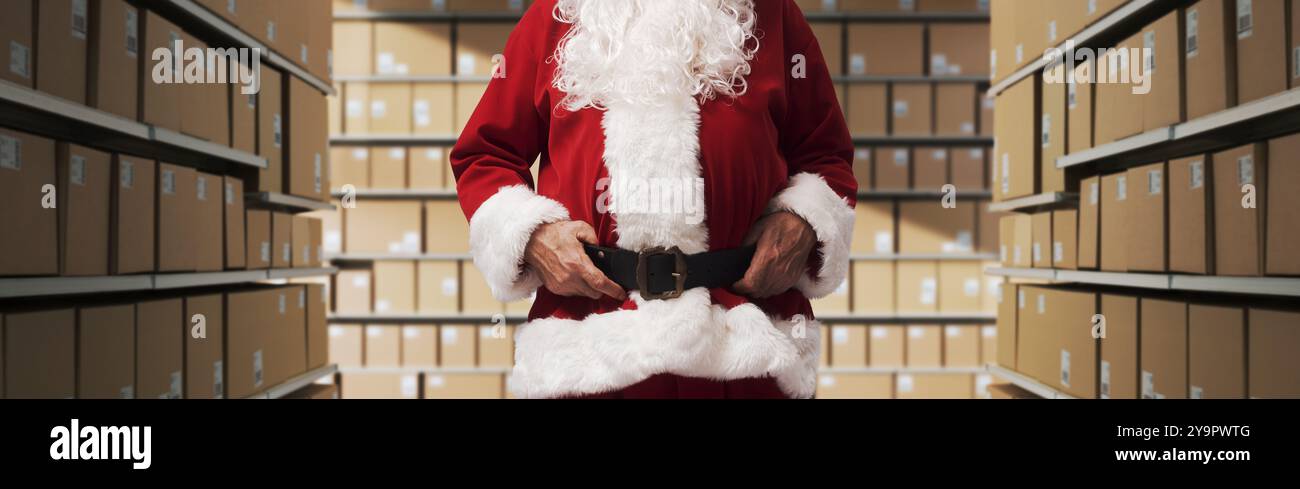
[(556, 254)]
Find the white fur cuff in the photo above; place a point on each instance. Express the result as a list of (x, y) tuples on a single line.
[(831, 218), (498, 233)]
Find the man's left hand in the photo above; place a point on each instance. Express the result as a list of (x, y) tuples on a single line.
[(784, 241)]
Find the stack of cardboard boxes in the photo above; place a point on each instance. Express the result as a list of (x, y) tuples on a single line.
[(1217, 213), (960, 348)]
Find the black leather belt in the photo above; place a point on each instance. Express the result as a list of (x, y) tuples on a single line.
[(660, 273)]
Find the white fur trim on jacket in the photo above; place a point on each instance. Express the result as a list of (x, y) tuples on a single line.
[(498, 233), (689, 336), (831, 218)]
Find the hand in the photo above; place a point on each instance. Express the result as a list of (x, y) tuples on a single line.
[(785, 241), (555, 252)]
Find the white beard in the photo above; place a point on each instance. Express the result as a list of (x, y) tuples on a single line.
[(649, 51)]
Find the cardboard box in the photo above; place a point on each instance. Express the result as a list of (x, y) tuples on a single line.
[(281, 240), (868, 109), (419, 346), (177, 214), (1273, 342), (390, 108), (353, 46), (247, 341), (855, 386), (62, 29), (1002, 39), (931, 169), (331, 224), (1015, 164), (1089, 223), (288, 333), (496, 346), (27, 164), (1041, 244), (986, 105), (1032, 31), (1114, 222), (1216, 352), (1283, 228), (989, 342), (1009, 306), (383, 346), (345, 345), (1239, 231), (1006, 240), (320, 39), (485, 5), (955, 105), (457, 347), (873, 287), (317, 327), (1118, 375), (40, 354), (1190, 214), (1079, 97), (467, 97), (159, 102), (1261, 45), (1052, 136), (476, 296), (1116, 104), (83, 210), (960, 286), (233, 208), (1022, 243), (350, 166), (308, 139), (1069, 315), (204, 356), (961, 346), (412, 48), (1164, 349), (376, 385), (271, 131), (477, 44), (886, 49), (1065, 239), (383, 227), (830, 38), (924, 346), (837, 302), (873, 230), (911, 111), (447, 230), (1148, 234), (388, 167), (968, 169), (1210, 56), (160, 327), (205, 108), (437, 286), (115, 44), (300, 241), (394, 287), (315, 243), (335, 110), (1163, 64), (888, 346), (918, 287), (934, 386), (16, 33), (927, 227), (352, 292), (208, 226), (464, 386), (959, 49), (106, 352), (848, 346), (356, 108), (432, 108), (987, 230), (132, 220), (258, 242), (426, 167)]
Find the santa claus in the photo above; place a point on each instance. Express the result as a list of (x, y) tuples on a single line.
[(695, 189)]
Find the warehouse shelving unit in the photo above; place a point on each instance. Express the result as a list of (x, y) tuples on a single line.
[(1033, 203), (839, 319), (922, 141), (285, 202), (898, 16), (900, 370), (392, 140), (1024, 382), (1264, 286), (63, 286), (431, 16), (296, 382)]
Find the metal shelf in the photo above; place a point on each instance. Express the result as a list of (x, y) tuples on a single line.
[(899, 370), (39, 113), (925, 257), (1270, 286), (285, 202), (1034, 203), (370, 257), (60, 286), (1115, 26), (815, 16), (934, 318), (297, 382), (413, 78), (1024, 382), (430, 15), (851, 79), (922, 140), (922, 194), (400, 194), (400, 319), (425, 370), (1108, 150), (1134, 280), (1025, 273), (199, 20), (392, 139)]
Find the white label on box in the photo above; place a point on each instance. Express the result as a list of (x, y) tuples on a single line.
[(270, 30), (1149, 54), (318, 169), (879, 332), (1020, 299), (982, 383), (1020, 53), (411, 242), (383, 305), (334, 240), (230, 6), (266, 251), (971, 287), (126, 392), (828, 5), (77, 170), (201, 188), (995, 284), (1015, 254), (276, 123), (1121, 188), (302, 53), (80, 22), (989, 332), (1046, 135), (374, 331), (257, 368), (1002, 253), (857, 64), (840, 335), (230, 193), (283, 304), (993, 62), (515, 5), (1192, 38), (908, 5), (1197, 392), (1105, 379), (1058, 252), (420, 111), (354, 108), (11, 153), (1246, 170), (360, 154), (965, 240), (1093, 193), (901, 108), (954, 69), (1148, 385), (336, 331), (439, 5), (397, 154), (915, 332), (252, 101), (862, 154), (132, 33), (1197, 175), (1051, 31), (465, 64), (1038, 252), (169, 182), (286, 252), (827, 380), (450, 336), (176, 389), (19, 59), (900, 157), (939, 154), (450, 286), (1006, 173), (938, 63), (403, 69), (968, 127), (410, 387), (952, 331), (437, 381), (1092, 7), (302, 298), (410, 333), (929, 289), (905, 383), (1065, 367), (1042, 304), (1072, 95), (1155, 182), (1245, 19), (434, 154), (884, 242), (378, 109)]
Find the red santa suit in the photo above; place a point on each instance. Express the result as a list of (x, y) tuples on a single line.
[(631, 110)]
